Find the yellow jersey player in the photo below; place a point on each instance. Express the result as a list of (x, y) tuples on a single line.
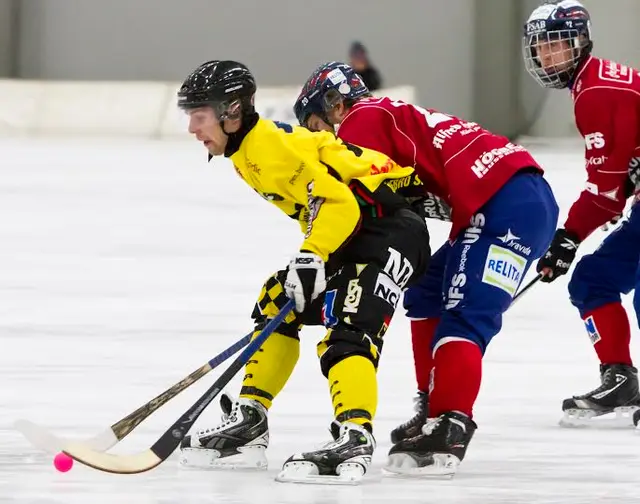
[(362, 245)]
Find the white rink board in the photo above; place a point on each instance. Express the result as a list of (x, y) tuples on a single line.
[(121, 109), (126, 265)]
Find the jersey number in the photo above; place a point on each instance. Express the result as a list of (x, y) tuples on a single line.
[(284, 126), (433, 118), (353, 148)]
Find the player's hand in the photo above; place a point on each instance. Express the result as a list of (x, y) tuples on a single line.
[(435, 207), (558, 258), (632, 185), (613, 222), (305, 279)]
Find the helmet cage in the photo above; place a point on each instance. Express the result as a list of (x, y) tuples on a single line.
[(569, 47)]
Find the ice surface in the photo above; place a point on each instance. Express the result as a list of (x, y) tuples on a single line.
[(124, 266)]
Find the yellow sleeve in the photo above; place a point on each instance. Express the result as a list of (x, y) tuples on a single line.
[(296, 173)]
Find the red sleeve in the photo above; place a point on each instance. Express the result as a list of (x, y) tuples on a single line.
[(368, 127), (608, 122)]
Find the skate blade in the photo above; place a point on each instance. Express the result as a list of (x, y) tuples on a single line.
[(306, 473), (444, 466), (249, 458), (619, 418)]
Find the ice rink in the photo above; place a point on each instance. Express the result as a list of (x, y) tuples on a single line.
[(126, 265)]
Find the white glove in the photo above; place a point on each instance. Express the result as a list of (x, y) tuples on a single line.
[(305, 279)]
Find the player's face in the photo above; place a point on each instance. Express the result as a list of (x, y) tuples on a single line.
[(205, 126), (554, 55), (316, 123)]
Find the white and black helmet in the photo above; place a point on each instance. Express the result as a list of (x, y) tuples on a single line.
[(560, 21)]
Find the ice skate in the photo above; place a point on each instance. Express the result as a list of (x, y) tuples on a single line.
[(437, 452), (611, 405), (636, 419), (239, 442), (413, 426), (343, 461)]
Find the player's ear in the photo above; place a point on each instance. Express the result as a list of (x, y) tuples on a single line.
[(342, 109), (337, 111)]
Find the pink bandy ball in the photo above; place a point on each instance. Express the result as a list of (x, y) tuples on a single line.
[(63, 462)]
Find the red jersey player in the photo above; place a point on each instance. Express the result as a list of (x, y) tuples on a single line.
[(503, 217), (606, 95)]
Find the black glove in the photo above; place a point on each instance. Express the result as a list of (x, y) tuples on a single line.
[(633, 180), (612, 222), (433, 207), (558, 258)]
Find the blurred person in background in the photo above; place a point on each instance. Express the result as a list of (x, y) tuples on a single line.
[(557, 48), (359, 61)]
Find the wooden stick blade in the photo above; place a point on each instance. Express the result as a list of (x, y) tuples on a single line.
[(116, 464), (43, 439)]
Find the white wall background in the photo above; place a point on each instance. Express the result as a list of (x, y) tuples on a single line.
[(427, 44), (462, 56)]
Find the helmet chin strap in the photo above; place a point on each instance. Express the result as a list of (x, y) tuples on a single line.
[(247, 121), (221, 123)]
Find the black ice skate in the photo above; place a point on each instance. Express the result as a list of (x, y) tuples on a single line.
[(618, 395), (413, 426), (438, 451), (343, 461), (239, 442)]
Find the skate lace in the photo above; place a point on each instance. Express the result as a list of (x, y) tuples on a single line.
[(418, 407), (606, 383), (227, 420), (430, 425), (334, 442), (339, 441)]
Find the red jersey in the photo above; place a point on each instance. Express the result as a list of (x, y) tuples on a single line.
[(456, 160), (606, 99)]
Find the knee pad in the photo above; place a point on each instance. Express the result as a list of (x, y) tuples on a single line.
[(421, 303), (589, 287), (271, 300), (341, 343), (578, 284), (466, 327)]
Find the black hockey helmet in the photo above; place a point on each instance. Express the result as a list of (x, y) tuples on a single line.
[(226, 86)]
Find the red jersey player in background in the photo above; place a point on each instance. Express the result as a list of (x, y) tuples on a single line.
[(503, 216), (557, 50)]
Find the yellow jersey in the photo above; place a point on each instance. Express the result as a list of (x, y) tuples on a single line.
[(307, 175)]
